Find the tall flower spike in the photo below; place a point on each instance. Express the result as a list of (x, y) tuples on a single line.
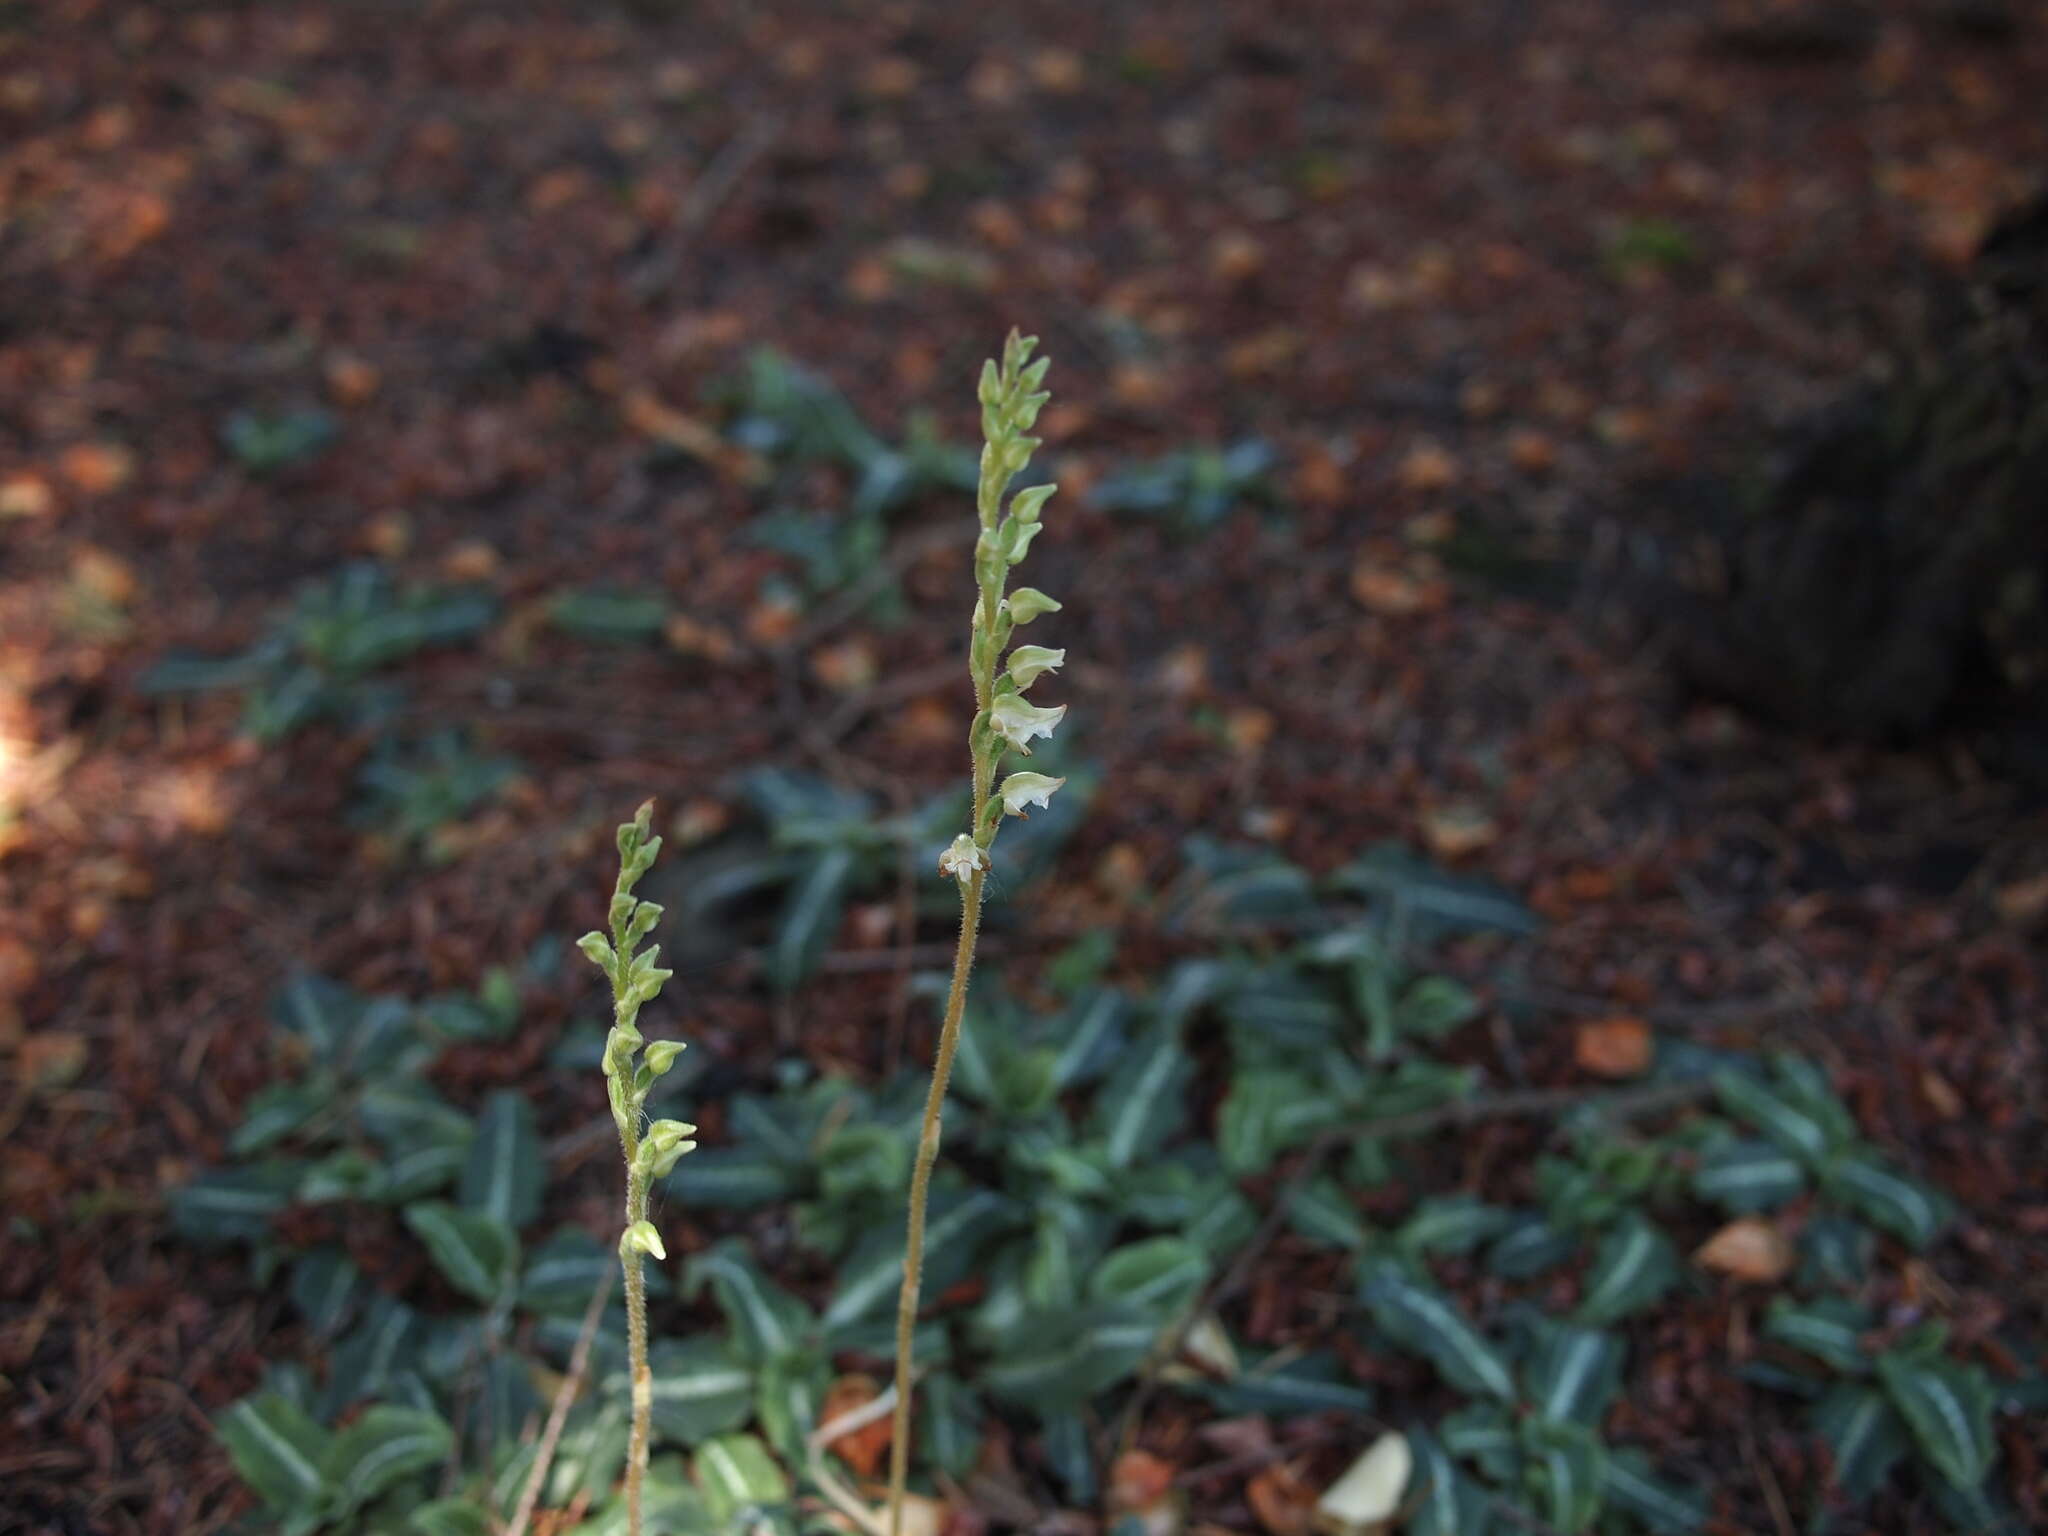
[(1011, 398), (649, 1154)]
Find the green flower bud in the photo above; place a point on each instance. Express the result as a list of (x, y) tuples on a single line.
[(1027, 603), (662, 1055), (597, 949), (1026, 505), (642, 1238)]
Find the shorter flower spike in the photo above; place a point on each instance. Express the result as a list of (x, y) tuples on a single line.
[(1027, 789), (1017, 722)]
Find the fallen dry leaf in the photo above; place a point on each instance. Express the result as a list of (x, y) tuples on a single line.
[(864, 1449), (1364, 1501), (1284, 1504), (1748, 1248), (1453, 831), (1618, 1047)]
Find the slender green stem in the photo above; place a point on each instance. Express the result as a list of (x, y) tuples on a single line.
[(636, 1347), (920, 1188)]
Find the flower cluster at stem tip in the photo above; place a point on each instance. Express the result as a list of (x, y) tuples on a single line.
[(1005, 720), (636, 979)]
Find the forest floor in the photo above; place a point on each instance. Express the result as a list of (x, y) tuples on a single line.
[(1475, 271)]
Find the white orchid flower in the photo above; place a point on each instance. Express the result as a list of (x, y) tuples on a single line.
[(962, 858), (1029, 662), (1017, 721), (1027, 789)]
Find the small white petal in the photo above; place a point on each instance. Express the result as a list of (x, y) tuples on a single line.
[(962, 858), (1029, 662), (1021, 790), (1017, 721)]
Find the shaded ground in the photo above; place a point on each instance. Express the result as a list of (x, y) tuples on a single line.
[(1472, 268)]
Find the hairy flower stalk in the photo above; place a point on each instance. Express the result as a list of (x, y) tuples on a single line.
[(1004, 721), (629, 1073)]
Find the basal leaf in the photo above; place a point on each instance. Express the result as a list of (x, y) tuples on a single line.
[(1145, 1099), (1434, 1006), (736, 1472), (1159, 1274), (503, 1176), (730, 1179), (372, 1352), (767, 1322), (949, 1424), (1632, 1269), (1529, 1246), (324, 1288), (1484, 1434), (1864, 1435), (1441, 1500), (1285, 1384), (1787, 1125), (1321, 1212), (1567, 1470), (1906, 1209), (476, 1253), (701, 1389), (1829, 1328), (383, 1445), (1661, 1507), (810, 917), (275, 1113), (277, 1449), (234, 1205), (1743, 1177), (1574, 1373), (450, 1517), (1424, 1321), (1948, 1408), (1450, 1224)]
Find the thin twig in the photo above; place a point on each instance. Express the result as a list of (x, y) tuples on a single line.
[(565, 1394)]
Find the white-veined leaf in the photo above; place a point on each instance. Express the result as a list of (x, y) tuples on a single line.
[(1285, 1384), (324, 1289), (386, 1443), (1574, 1373), (1435, 1328), (1904, 1208), (1864, 1435), (1567, 1469), (1484, 1434), (1451, 1224), (1829, 1328), (476, 1253), (1441, 1499), (1321, 1212), (810, 917), (868, 1282), (275, 1112), (949, 1425), (767, 1322), (503, 1175), (1633, 1267), (1743, 1176), (1662, 1507), (1793, 1127), (1145, 1098), (1948, 1408), (700, 1389), (735, 1472), (277, 1449), (234, 1205), (451, 1517), (730, 1179), (1159, 1274)]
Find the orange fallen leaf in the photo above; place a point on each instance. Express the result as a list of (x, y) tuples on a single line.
[(1427, 468), (1748, 1248), (1616, 1047), (1453, 831), (864, 1449), (1139, 1480), (1283, 1503)]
